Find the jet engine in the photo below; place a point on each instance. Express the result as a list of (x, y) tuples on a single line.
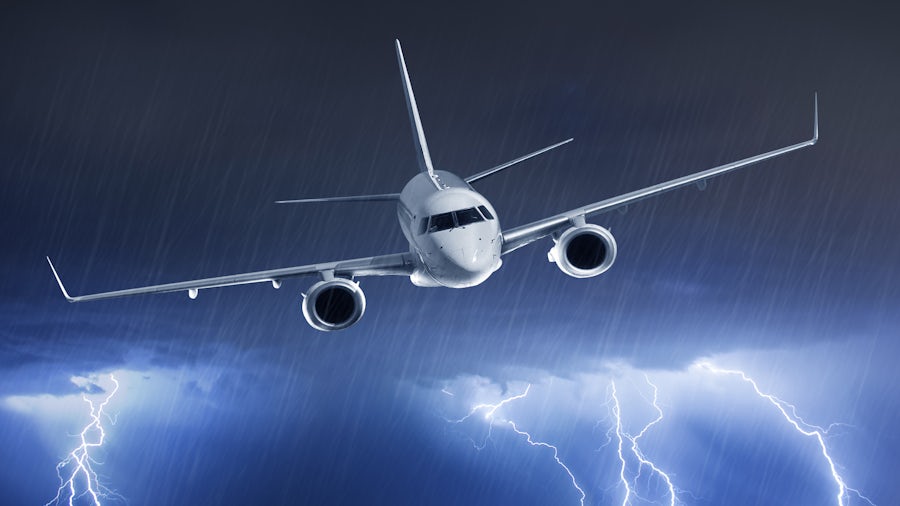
[(334, 304), (584, 251)]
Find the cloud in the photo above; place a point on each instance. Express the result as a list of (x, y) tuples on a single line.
[(88, 385)]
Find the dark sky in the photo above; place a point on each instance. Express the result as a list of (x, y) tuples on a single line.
[(143, 144)]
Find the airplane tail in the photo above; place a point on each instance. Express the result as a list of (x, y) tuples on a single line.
[(423, 156)]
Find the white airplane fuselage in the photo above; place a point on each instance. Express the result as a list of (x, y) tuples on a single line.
[(453, 231)]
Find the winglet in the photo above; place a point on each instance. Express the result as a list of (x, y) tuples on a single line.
[(816, 119), (424, 157), (60, 283)]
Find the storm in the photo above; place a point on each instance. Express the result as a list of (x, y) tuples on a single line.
[(741, 350)]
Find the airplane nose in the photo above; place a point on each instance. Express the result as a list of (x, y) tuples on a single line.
[(467, 259), (471, 259)]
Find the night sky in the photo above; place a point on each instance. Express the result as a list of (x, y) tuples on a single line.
[(144, 144)]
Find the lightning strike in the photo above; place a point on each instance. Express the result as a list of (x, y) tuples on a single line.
[(640, 456), (77, 478), (632, 441), (490, 411), (634, 464), (789, 412), (617, 414)]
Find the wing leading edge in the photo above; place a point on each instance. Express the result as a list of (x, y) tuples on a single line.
[(398, 264), (520, 236)]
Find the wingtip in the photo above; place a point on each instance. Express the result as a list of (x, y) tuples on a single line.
[(59, 282), (815, 117)]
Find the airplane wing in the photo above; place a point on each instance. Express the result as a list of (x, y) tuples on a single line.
[(398, 264), (520, 236)]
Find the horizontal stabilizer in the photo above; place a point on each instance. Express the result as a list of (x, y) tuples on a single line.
[(386, 197), (510, 163)]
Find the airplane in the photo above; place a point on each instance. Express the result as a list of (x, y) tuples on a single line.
[(454, 234)]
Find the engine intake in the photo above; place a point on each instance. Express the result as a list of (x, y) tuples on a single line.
[(584, 251), (334, 305)]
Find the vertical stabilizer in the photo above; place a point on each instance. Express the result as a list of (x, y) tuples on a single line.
[(423, 156)]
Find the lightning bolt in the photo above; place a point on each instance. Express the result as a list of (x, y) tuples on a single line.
[(76, 471), (643, 461), (640, 477), (490, 411), (789, 412), (617, 414)]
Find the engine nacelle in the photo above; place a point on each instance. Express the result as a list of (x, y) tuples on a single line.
[(334, 305), (584, 251)]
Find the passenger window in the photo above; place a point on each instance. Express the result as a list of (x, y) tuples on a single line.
[(485, 212), (468, 216), (441, 222), (423, 226)]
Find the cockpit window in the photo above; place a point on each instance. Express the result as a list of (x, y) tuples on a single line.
[(468, 216), (440, 222), (461, 218)]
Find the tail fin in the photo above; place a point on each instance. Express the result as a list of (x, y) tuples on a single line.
[(424, 157)]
